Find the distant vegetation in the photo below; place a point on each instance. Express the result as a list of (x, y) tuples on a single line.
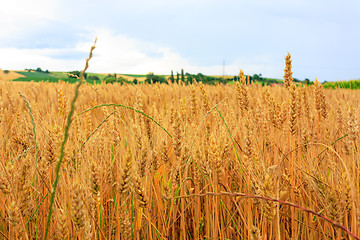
[(113, 78), (353, 84), (37, 70), (43, 76), (39, 75), (152, 78)]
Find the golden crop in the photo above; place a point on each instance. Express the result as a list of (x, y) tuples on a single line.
[(180, 162)]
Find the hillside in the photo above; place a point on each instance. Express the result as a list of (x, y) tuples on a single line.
[(42, 76), (10, 75)]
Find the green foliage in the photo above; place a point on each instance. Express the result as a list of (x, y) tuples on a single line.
[(110, 80), (6, 71), (203, 78), (189, 78), (307, 81), (39, 76), (93, 77), (113, 79), (353, 84), (39, 70), (172, 76), (151, 77), (110, 76)]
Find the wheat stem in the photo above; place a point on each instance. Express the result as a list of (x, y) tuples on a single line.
[(66, 135)]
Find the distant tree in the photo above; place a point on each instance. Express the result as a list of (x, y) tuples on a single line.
[(172, 76), (201, 78), (151, 77), (182, 75), (38, 70), (307, 81), (189, 78), (135, 81), (47, 71), (122, 80), (110, 79), (177, 77), (6, 71)]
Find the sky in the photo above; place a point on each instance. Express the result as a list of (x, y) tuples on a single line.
[(207, 36)]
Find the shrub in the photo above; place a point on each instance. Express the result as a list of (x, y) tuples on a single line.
[(112, 79), (93, 77), (151, 77)]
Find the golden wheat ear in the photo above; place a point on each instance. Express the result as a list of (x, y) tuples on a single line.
[(288, 74)]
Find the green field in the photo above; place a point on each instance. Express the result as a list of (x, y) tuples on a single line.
[(136, 75), (39, 77), (352, 84), (52, 77)]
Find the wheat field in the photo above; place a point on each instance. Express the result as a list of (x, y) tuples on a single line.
[(176, 161)]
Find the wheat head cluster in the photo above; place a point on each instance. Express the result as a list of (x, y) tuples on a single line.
[(177, 161)]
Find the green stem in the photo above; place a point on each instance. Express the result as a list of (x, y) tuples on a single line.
[(37, 208), (36, 160), (66, 136), (62, 152), (127, 107), (93, 132)]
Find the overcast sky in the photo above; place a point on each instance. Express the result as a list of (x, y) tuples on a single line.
[(138, 36)]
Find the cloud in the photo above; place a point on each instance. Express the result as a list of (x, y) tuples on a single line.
[(19, 59), (19, 16), (122, 54), (160, 36), (119, 53)]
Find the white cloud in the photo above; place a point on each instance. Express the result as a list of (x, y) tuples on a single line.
[(121, 54), (19, 17), (19, 59)]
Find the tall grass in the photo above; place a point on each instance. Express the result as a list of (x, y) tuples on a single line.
[(179, 162)]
